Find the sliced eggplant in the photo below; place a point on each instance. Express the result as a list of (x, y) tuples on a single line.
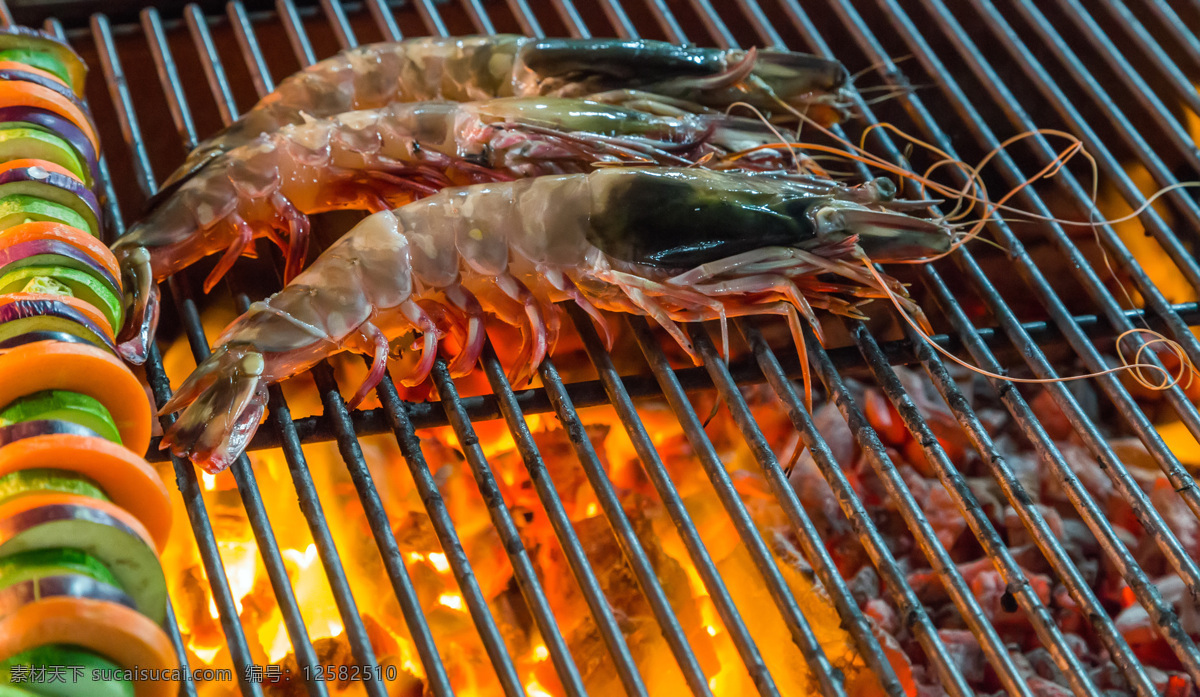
[(55, 188), (19, 316), (26, 45), (17, 209), (63, 405), (32, 337), (54, 123), (101, 535), (80, 667), (71, 585), (79, 284), (55, 253), (32, 481), (39, 563), (43, 427), (43, 81), (20, 140)]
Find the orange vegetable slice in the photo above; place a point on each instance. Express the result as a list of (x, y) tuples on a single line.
[(46, 230), (28, 162), (21, 93), (89, 370), (22, 67), (119, 633), (124, 476), (88, 310), (20, 504)]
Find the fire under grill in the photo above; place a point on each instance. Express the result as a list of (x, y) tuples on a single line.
[(630, 524)]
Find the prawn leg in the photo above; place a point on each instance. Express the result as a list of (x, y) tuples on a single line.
[(241, 240), (534, 351), (682, 296), (377, 343), (475, 336), (418, 318), (563, 284), (299, 230)]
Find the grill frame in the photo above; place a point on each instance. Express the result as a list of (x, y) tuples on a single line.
[(1029, 338)]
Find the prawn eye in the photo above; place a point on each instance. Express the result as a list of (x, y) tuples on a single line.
[(683, 219)]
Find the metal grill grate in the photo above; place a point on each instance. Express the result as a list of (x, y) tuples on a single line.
[(990, 62)]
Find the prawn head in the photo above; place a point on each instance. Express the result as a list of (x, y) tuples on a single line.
[(142, 299), (227, 395)]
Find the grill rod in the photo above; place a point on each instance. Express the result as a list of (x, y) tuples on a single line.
[(242, 472), (1146, 592), (966, 335)]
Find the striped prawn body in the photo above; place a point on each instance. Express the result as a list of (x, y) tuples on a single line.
[(675, 245)]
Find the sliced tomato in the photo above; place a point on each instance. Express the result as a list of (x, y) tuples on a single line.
[(20, 504), (18, 93), (124, 476), (25, 68), (42, 230), (88, 310), (121, 634), (48, 166), (56, 365)]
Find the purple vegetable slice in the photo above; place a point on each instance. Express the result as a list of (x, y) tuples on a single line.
[(59, 125), (53, 187), (66, 63)]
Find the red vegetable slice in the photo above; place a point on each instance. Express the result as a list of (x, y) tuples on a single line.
[(126, 636), (28, 162), (51, 365), (25, 250), (43, 74), (124, 476), (27, 94), (21, 305), (42, 230)]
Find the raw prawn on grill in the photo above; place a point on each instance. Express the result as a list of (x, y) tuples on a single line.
[(652, 76), (674, 244), (378, 159)]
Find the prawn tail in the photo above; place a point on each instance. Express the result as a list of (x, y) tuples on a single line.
[(142, 299), (225, 399)]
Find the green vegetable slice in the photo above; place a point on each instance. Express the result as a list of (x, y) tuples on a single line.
[(39, 563), (64, 406), (20, 140), (18, 209), (37, 59), (77, 666), (80, 284), (32, 481)]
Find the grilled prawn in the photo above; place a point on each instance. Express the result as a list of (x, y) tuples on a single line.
[(648, 75), (676, 245), (378, 159)]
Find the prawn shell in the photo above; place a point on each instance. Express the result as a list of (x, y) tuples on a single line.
[(431, 226)]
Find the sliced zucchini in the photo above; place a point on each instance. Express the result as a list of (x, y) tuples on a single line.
[(32, 481)]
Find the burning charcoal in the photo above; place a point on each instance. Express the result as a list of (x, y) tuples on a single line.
[(1085, 467), (818, 498), (1050, 415), (864, 585), (620, 587), (883, 614), (947, 521), (1177, 515), (964, 648)]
